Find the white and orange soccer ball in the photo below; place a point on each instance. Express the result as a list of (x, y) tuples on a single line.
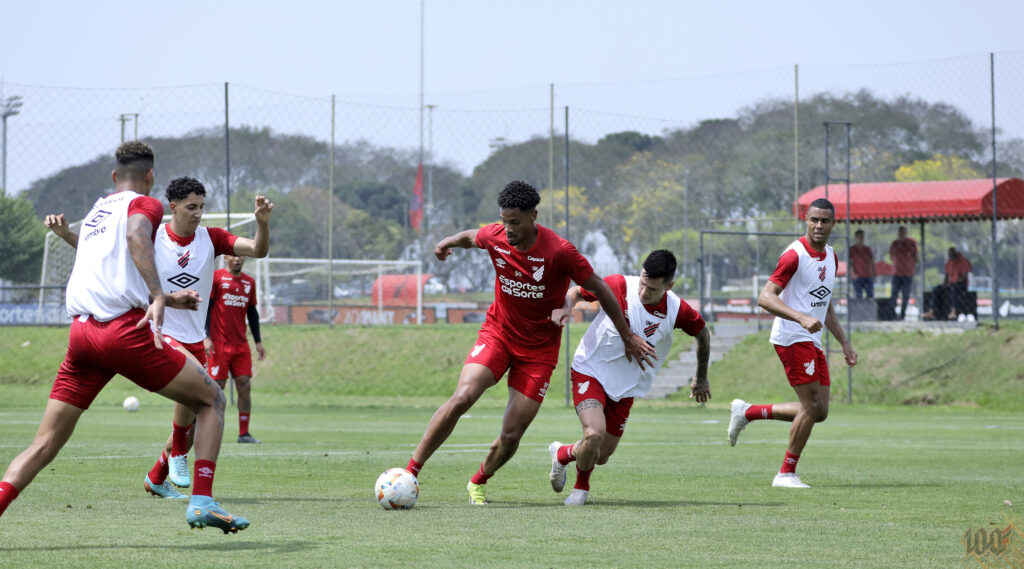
[(131, 404), (397, 489)]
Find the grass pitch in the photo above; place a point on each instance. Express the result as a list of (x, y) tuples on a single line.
[(890, 488)]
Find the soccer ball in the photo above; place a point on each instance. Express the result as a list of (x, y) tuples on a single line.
[(131, 403), (397, 489)]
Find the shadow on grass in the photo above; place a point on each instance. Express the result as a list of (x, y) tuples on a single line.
[(229, 546), (886, 485)]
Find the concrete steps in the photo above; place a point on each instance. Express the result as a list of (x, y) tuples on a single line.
[(676, 374)]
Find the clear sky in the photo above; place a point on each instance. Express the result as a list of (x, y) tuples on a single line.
[(372, 47)]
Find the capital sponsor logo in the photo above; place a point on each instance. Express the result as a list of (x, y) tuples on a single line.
[(535, 259), (659, 314), (500, 250)]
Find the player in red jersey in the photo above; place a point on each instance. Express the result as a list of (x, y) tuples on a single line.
[(115, 296), (533, 267), (232, 301), (604, 385)]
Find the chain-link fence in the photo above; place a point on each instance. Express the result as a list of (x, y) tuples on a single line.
[(624, 168)]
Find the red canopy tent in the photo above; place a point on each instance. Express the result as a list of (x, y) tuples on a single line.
[(919, 202)]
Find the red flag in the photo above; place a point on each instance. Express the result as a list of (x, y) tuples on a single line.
[(416, 203)]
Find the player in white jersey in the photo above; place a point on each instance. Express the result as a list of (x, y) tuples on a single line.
[(799, 294), (604, 383), (114, 296), (185, 254)]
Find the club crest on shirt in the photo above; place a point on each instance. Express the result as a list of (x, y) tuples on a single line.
[(247, 286), (538, 273), (183, 259), (650, 328), (821, 274)]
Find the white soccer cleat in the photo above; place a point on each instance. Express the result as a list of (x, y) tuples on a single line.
[(577, 497), (738, 419), (557, 475), (178, 471), (788, 480)]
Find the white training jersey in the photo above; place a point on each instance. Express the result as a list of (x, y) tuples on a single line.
[(601, 354), (104, 282), (188, 266), (807, 278)]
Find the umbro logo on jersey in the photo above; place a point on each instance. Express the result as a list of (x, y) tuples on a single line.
[(809, 367), (183, 259), (821, 274), (538, 273), (500, 263), (183, 280), (477, 349), (97, 219), (583, 387), (820, 293)]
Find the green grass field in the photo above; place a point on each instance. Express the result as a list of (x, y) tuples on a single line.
[(893, 485)]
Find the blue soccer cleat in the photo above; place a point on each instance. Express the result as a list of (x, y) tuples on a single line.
[(164, 490), (204, 512)]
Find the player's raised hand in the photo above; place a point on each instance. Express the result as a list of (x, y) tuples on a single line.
[(263, 209), (443, 250), (58, 224)]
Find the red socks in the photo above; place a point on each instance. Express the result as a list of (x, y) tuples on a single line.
[(159, 472), (414, 467), (759, 412), (583, 479), (202, 478), (789, 463), (179, 440), (243, 424), (7, 495), (480, 477), (565, 454)]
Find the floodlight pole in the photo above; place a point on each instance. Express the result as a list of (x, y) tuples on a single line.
[(8, 108)]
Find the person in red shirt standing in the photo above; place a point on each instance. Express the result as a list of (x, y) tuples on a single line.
[(232, 301), (533, 269), (862, 267), (903, 253)]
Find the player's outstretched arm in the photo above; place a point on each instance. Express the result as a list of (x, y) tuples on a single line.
[(637, 349), (258, 246), (58, 224), (464, 240), (700, 389)]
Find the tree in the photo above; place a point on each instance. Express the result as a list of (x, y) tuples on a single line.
[(21, 240), (939, 167)]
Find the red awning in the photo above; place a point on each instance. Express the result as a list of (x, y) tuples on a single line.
[(898, 202)]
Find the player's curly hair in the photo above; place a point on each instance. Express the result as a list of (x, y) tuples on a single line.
[(518, 195), (181, 188), (134, 158), (660, 264)]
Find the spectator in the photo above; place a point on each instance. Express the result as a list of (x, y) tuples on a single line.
[(903, 253), (862, 267), (952, 293)]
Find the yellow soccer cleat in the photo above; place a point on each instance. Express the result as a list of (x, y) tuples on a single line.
[(476, 494)]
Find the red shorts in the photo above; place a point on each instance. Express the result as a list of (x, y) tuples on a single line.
[(197, 349), (98, 350), (529, 368), (616, 413), (804, 363), (235, 358)]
